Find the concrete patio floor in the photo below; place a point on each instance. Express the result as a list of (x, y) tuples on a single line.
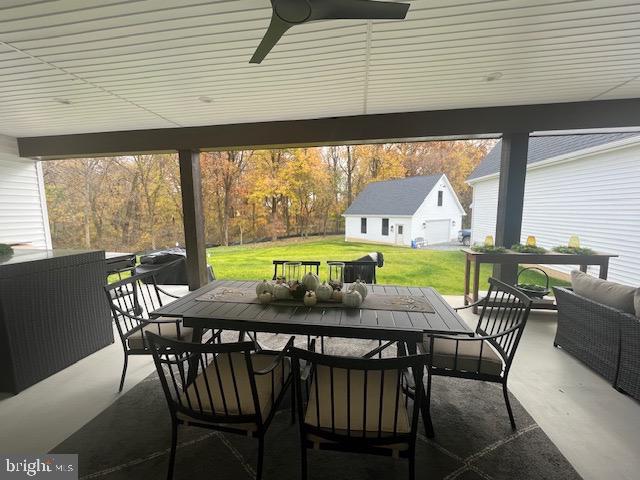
[(594, 426)]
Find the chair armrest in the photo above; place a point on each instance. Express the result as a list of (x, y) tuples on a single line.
[(378, 349), (474, 304), (276, 361), (164, 292), (461, 338), (145, 320)]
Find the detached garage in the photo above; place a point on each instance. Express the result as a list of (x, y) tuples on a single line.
[(421, 209)]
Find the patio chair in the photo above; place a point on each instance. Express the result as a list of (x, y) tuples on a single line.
[(131, 301), (228, 387), (487, 355), (363, 268), (307, 266), (357, 404)]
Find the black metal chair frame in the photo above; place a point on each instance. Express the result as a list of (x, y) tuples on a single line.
[(356, 268), (352, 440), (178, 364), (504, 314), (131, 300), (307, 266)]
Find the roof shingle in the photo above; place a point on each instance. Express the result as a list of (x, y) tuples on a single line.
[(543, 148), (393, 197)]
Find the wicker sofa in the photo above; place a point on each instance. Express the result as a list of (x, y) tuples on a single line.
[(604, 338)]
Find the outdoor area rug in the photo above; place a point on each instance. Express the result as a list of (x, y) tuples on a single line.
[(131, 439)]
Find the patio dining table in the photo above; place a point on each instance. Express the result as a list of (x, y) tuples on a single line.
[(408, 327)]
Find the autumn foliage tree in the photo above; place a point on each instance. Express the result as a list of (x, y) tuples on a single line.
[(133, 203)]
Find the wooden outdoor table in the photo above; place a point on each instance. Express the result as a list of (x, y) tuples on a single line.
[(511, 257), (402, 326)]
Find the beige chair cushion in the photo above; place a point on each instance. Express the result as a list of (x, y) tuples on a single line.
[(167, 330), (468, 355), (612, 294), (356, 406), (636, 302), (241, 373)]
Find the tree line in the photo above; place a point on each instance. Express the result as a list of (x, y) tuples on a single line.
[(133, 203)]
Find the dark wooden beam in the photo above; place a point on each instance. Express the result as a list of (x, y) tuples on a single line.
[(513, 172), (461, 123), (193, 218)]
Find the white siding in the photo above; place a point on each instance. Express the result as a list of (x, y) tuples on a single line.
[(430, 210), (374, 229), (596, 197), (23, 216), (484, 209)]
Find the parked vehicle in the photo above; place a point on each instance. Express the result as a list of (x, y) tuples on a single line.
[(464, 236)]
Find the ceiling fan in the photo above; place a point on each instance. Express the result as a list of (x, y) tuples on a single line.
[(288, 13)]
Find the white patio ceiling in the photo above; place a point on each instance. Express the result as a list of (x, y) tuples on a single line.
[(142, 64)]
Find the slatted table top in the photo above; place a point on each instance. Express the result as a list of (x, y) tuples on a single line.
[(338, 322)]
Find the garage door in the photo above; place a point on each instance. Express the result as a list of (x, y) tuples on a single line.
[(437, 231)]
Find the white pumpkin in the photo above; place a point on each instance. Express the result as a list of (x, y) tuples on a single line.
[(263, 287), (311, 281), (265, 297), (281, 291), (352, 299), (310, 299), (337, 295), (359, 287), (324, 292)]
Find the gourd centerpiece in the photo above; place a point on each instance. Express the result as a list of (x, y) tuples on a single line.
[(310, 291)]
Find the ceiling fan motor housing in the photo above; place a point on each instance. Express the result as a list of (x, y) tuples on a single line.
[(292, 11)]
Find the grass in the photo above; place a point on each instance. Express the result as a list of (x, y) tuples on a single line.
[(443, 270)]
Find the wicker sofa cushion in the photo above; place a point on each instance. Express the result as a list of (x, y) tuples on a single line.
[(636, 302), (612, 294)]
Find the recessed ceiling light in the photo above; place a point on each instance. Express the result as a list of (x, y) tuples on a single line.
[(62, 101), (493, 76), (205, 99)]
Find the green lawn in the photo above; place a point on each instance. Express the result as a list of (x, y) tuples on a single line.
[(443, 270)]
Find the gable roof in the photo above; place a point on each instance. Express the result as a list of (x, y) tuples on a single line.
[(393, 197), (545, 147)]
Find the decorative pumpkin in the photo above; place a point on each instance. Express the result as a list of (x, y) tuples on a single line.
[(265, 297), (337, 295), (263, 287), (359, 287), (297, 290), (310, 299), (311, 281), (324, 292), (352, 299), (281, 291)]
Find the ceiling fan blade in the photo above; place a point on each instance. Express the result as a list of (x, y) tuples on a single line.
[(357, 9), (276, 29)]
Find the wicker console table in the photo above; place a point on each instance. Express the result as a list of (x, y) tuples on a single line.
[(52, 313), (510, 257)]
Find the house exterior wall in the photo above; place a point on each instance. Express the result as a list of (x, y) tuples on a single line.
[(430, 210), (23, 210), (374, 229), (595, 196)]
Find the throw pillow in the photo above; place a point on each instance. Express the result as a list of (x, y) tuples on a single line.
[(621, 297)]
